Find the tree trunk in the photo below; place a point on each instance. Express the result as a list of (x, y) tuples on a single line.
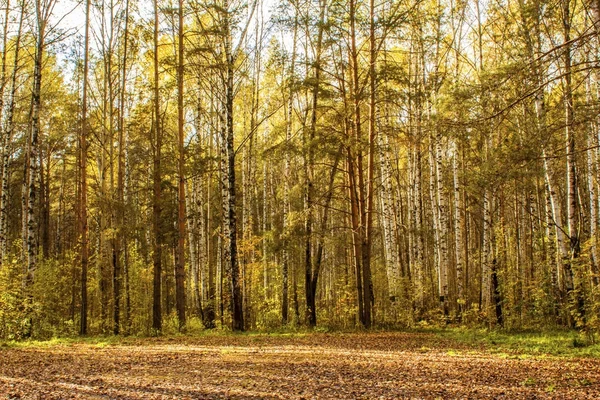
[(287, 177), (391, 248), (180, 267), (236, 292), (8, 133), (443, 225), (572, 194), (83, 223), (486, 256), (458, 231), (156, 200), (121, 234), (364, 191), (4, 129)]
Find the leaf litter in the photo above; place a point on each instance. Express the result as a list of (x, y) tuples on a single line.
[(314, 366)]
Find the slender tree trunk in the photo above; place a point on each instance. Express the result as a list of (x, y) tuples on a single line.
[(32, 164), (121, 235), (83, 224), (8, 133), (388, 221), (369, 211), (112, 196), (236, 292), (311, 294), (4, 139), (265, 220), (486, 262), (572, 193), (224, 259), (3, 77), (443, 225), (364, 195), (458, 231), (592, 162), (356, 238), (311, 265), (435, 216), (287, 177), (180, 267), (156, 201)]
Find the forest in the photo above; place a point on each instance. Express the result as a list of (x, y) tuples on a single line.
[(252, 165)]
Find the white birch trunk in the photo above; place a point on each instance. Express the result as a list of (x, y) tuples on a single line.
[(591, 173), (486, 270), (434, 214), (442, 225), (225, 259), (458, 228), (387, 217), (202, 272), (33, 164), (192, 240)]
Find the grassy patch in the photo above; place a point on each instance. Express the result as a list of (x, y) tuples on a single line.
[(503, 344), (561, 343), (98, 341)]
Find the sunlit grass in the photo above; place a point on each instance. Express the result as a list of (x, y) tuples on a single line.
[(504, 344), (563, 343)]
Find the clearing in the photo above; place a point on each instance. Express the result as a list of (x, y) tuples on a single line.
[(347, 366)]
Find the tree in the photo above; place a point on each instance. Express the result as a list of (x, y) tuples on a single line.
[(181, 215), (83, 224), (156, 179)]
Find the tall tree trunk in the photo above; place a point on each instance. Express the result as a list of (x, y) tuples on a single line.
[(265, 225), (364, 195), (311, 294), (572, 194), (458, 231), (121, 235), (42, 15), (391, 248), (592, 163), (3, 77), (486, 255), (224, 259), (311, 266), (4, 139), (435, 216), (287, 178), (156, 200), (83, 223), (369, 210), (443, 225), (180, 267), (8, 133), (351, 184), (236, 291)]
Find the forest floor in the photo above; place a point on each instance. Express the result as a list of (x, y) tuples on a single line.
[(298, 366)]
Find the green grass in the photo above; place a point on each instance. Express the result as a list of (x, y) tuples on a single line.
[(111, 340), (505, 344), (560, 343)]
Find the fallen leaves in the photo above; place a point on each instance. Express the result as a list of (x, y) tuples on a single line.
[(365, 365)]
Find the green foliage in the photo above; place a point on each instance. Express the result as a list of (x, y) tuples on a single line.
[(562, 343), (270, 317), (12, 317), (53, 294)]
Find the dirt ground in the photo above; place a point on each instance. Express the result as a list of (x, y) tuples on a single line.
[(327, 366)]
